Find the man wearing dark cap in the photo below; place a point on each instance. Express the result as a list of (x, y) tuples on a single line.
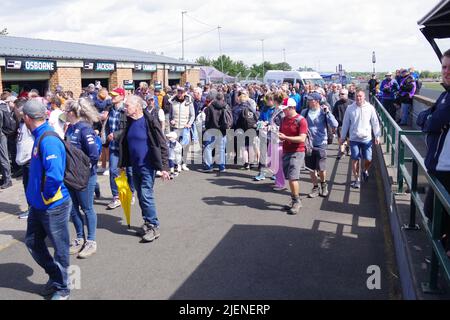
[(318, 118), (405, 95), (373, 83), (49, 201)]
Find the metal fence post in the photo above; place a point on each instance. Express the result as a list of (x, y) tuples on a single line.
[(400, 162), (393, 135), (413, 209), (436, 229)]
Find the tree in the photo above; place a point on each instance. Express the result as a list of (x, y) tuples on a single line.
[(4, 32), (204, 61)]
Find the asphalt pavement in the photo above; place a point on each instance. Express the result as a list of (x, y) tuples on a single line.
[(224, 237)]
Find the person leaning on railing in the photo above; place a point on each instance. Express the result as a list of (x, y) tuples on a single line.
[(435, 122)]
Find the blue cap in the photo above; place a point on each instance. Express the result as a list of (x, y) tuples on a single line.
[(314, 96)]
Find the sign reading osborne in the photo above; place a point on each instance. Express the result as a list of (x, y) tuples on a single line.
[(39, 65)]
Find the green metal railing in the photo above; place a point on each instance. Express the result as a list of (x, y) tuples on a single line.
[(432, 228)]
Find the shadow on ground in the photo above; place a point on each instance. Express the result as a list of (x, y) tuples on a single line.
[(274, 262)]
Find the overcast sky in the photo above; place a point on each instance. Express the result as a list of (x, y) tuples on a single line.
[(319, 34)]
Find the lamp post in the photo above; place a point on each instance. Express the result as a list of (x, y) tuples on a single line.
[(262, 44), (221, 56), (374, 60), (182, 34)]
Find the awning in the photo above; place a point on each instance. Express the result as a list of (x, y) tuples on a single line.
[(436, 24)]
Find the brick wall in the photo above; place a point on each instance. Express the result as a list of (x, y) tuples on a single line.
[(68, 78), (192, 76), (1, 81), (159, 76), (117, 77)]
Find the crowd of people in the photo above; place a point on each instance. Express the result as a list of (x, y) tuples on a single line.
[(397, 92), (149, 133)]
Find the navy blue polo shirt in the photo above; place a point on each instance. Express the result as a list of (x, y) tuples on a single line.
[(138, 143)]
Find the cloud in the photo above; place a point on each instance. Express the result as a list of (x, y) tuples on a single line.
[(325, 32)]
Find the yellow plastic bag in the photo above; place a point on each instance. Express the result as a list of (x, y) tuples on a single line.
[(125, 195)]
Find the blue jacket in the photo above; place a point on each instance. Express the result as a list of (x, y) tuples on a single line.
[(102, 105), (318, 128), (436, 129), (51, 165), (82, 136), (297, 99), (266, 113)]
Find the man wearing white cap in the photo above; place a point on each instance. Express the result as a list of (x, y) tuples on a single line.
[(292, 133)]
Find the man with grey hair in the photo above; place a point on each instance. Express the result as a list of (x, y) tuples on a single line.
[(339, 111), (49, 201), (143, 147)]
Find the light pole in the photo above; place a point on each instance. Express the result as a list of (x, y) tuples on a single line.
[(262, 44), (182, 34), (374, 60), (220, 51), (284, 55)]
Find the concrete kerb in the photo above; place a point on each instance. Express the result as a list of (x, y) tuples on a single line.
[(402, 254)]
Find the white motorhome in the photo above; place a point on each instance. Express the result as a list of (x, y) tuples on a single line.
[(278, 77)]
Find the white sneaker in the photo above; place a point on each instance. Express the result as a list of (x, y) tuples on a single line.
[(133, 200), (105, 173), (114, 204), (184, 167), (158, 173), (178, 168), (90, 247)]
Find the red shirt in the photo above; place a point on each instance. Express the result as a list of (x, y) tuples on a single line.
[(293, 128)]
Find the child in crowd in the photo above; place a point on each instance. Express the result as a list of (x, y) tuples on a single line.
[(175, 150)]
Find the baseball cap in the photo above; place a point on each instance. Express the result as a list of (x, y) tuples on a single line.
[(179, 88), (314, 96), (291, 103), (118, 92), (388, 73), (35, 109)]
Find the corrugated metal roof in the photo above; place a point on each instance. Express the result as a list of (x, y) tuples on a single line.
[(38, 48)]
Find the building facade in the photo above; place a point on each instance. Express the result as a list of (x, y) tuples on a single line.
[(44, 64)]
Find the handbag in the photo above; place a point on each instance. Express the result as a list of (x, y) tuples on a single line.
[(103, 136)]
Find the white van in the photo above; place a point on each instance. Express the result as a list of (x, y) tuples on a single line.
[(278, 77)]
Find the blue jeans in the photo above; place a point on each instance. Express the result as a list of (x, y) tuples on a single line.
[(54, 224), (114, 173), (144, 179), (85, 200), (405, 113), (210, 144)]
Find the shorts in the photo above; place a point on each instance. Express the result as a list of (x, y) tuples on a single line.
[(317, 160), (292, 164), (361, 149)]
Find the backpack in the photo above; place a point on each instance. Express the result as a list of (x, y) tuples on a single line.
[(78, 164), (226, 119), (308, 141), (247, 119), (9, 123), (330, 134)]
